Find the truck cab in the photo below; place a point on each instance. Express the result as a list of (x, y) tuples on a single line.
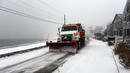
[(72, 32)]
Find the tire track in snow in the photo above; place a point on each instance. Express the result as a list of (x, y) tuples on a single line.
[(37, 63)]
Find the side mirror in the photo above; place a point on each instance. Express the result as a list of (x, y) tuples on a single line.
[(59, 30)]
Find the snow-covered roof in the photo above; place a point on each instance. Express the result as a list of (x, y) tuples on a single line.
[(120, 15), (117, 16)]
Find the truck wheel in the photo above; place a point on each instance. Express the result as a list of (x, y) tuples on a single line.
[(83, 41), (79, 44)]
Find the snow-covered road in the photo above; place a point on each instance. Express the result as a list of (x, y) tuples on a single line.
[(96, 57), (34, 64)]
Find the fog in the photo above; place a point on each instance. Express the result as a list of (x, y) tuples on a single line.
[(87, 12)]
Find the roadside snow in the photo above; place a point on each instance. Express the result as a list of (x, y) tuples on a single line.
[(96, 57), (7, 61), (9, 50), (121, 68)]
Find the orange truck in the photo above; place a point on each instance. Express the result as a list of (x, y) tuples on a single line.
[(71, 37)]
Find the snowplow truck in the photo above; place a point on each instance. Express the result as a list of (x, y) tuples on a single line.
[(71, 37)]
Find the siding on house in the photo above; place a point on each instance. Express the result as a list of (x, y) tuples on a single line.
[(110, 30), (121, 24), (126, 20), (117, 25)]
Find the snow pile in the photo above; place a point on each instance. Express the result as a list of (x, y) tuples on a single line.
[(7, 61), (9, 50), (121, 68), (96, 57)]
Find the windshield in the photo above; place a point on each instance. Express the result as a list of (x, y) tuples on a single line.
[(69, 28)]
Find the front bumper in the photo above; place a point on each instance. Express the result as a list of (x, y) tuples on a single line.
[(65, 43)]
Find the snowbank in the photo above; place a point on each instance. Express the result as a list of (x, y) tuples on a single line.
[(9, 50), (96, 57), (121, 68)]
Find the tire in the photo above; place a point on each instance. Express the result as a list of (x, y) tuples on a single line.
[(83, 42), (79, 44)]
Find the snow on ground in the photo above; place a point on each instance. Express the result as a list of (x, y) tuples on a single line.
[(8, 50), (96, 57), (7, 61), (121, 68)]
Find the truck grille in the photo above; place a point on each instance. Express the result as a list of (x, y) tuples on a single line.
[(67, 37)]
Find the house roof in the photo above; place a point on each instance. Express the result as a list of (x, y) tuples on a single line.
[(118, 15)]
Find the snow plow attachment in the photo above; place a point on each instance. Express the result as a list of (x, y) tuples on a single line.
[(68, 46)]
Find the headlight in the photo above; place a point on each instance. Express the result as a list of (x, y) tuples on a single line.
[(58, 39)]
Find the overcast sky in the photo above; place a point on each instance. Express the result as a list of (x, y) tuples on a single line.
[(90, 12), (87, 12)]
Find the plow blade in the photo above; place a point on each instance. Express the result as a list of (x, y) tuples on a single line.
[(63, 47)]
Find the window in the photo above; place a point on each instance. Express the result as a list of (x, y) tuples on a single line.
[(80, 28), (120, 32), (129, 18), (124, 32), (69, 28), (128, 32)]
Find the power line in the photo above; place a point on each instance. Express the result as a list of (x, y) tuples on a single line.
[(43, 2), (25, 15), (29, 5)]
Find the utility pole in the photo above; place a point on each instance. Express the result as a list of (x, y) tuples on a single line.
[(64, 19)]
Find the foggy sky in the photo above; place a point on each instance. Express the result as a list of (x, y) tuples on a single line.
[(91, 12), (87, 12)]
